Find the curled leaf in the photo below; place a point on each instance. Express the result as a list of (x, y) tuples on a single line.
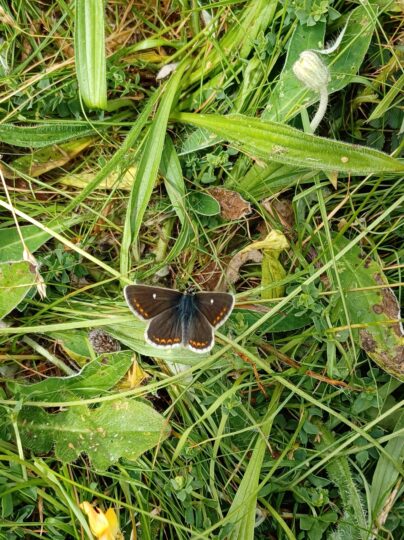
[(275, 242), (233, 270)]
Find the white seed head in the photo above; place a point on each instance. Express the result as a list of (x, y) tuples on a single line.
[(311, 71), (166, 70)]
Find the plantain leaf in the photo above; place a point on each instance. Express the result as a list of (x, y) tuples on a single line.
[(285, 144), (16, 279), (117, 429), (42, 134), (89, 44)]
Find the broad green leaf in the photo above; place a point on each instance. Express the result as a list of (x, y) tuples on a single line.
[(386, 475), (42, 134), (289, 95), (11, 247), (284, 144), (373, 307), (16, 279), (132, 335), (204, 204), (74, 343), (96, 378), (89, 44), (118, 429)]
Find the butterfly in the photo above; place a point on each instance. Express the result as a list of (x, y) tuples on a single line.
[(178, 319)]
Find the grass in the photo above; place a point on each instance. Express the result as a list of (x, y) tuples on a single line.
[(293, 426)]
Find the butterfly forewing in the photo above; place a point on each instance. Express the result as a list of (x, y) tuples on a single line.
[(215, 306), (198, 333), (165, 330), (147, 302)]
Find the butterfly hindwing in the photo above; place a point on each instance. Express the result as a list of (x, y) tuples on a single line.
[(215, 306), (198, 333), (147, 301), (165, 330)]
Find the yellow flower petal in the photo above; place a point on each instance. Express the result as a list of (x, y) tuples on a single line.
[(103, 525)]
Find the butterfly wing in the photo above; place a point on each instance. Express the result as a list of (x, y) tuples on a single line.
[(215, 306), (165, 330), (198, 333), (147, 302)]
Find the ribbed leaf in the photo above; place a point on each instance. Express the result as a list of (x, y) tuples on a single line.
[(41, 135), (89, 42), (272, 141)]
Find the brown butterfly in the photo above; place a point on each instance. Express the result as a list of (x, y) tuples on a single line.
[(178, 319)]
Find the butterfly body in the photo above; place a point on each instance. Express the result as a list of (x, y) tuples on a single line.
[(178, 319)]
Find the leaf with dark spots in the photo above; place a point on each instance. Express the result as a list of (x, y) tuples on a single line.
[(372, 306)]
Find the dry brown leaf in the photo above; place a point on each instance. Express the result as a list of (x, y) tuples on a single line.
[(232, 204)]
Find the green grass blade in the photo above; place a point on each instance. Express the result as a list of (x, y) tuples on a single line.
[(242, 510), (353, 524), (284, 144), (170, 168), (89, 40), (389, 100), (146, 173), (119, 157), (386, 476)]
